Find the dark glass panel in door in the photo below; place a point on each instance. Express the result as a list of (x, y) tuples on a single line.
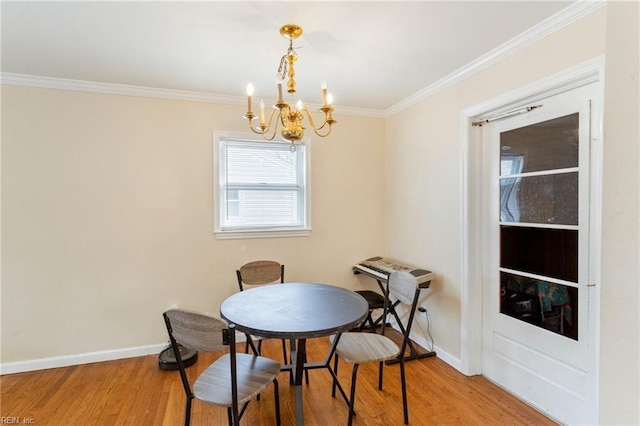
[(549, 252), (548, 145)]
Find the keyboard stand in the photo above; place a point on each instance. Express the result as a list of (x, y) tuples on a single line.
[(413, 353)]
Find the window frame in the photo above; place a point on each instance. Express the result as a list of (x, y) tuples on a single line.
[(304, 230)]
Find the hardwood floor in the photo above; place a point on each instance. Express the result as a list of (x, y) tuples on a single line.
[(135, 391)]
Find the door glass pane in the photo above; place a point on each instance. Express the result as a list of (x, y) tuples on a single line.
[(536, 189), (549, 145), (549, 252), (535, 199), (541, 303)]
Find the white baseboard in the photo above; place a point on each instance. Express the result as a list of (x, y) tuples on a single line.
[(420, 340), (445, 356), (101, 356), (86, 358), (77, 359)]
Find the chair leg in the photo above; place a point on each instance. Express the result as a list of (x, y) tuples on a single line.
[(380, 372), (352, 400), (235, 415), (292, 349), (187, 412), (276, 395), (284, 350), (306, 372), (405, 406), (336, 383), (335, 374), (229, 416)]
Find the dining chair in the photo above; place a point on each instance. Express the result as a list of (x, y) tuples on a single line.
[(363, 348), (375, 301), (233, 379), (262, 272)]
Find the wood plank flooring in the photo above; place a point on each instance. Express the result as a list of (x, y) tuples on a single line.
[(135, 391)]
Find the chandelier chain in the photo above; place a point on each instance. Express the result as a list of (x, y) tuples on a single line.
[(282, 69)]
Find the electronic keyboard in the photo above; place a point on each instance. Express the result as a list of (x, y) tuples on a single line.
[(380, 268)]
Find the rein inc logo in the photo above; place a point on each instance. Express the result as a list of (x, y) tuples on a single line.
[(15, 420)]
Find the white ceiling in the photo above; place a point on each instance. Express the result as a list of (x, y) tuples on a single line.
[(373, 55)]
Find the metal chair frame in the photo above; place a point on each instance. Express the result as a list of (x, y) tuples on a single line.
[(196, 339), (263, 272)]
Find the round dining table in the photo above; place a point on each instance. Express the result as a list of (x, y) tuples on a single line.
[(296, 312)]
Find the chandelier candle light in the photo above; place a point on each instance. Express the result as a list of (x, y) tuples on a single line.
[(291, 119)]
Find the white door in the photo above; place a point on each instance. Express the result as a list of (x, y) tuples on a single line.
[(538, 307)]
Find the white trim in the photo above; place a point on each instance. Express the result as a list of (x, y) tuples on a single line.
[(440, 354), (218, 136), (118, 89), (420, 339), (540, 225), (554, 23), (579, 75), (77, 359), (272, 233), (539, 277), (541, 173), (152, 92), (87, 358), (471, 231), (561, 19)]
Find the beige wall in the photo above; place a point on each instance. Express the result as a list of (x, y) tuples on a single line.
[(107, 217), (106, 207), (423, 221), (423, 168), (620, 289)]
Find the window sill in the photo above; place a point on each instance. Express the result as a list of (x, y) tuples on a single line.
[(267, 233)]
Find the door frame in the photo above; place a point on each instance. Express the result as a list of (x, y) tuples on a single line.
[(471, 259)]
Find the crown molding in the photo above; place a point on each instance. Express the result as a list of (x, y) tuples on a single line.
[(117, 89), (148, 92), (568, 15), (561, 19)]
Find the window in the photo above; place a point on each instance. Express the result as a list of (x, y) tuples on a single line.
[(262, 188)]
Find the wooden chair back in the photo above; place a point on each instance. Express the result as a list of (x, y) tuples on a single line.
[(196, 330), (403, 287), (260, 272)]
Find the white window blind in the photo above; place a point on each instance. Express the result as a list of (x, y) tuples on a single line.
[(262, 186)]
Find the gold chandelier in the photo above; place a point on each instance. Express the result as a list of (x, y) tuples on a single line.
[(290, 118)]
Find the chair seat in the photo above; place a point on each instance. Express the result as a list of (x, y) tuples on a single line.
[(374, 299), (361, 348), (254, 374)]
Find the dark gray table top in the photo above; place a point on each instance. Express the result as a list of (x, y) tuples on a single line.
[(295, 310)]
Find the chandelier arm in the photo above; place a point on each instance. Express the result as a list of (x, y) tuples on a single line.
[(321, 127), (257, 132), (263, 129), (310, 118), (275, 128), (269, 138), (271, 120), (316, 131)]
